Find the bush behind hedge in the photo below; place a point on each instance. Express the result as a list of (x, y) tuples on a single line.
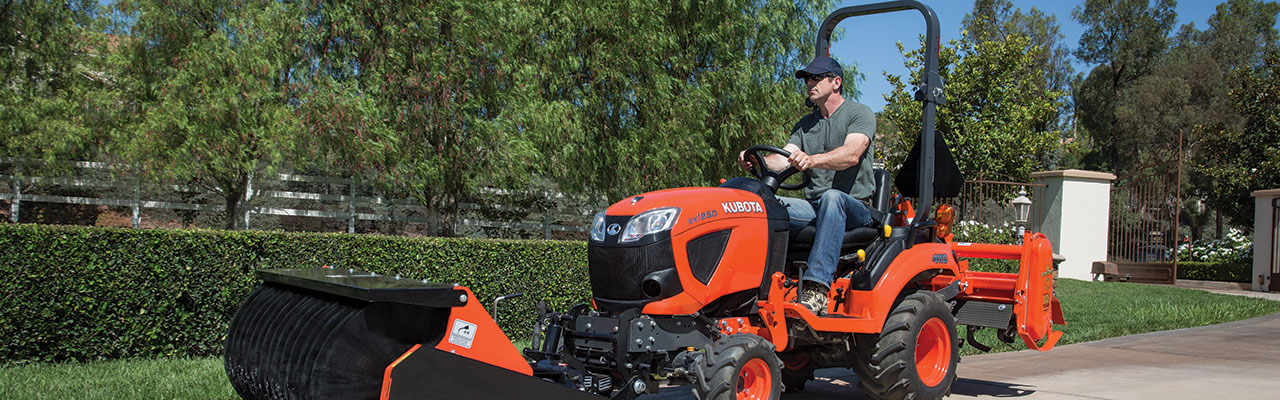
[(87, 293)]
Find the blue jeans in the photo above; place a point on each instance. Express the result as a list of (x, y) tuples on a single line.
[(835, 213)]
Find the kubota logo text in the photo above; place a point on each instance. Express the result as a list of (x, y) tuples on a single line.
[(734, 207)]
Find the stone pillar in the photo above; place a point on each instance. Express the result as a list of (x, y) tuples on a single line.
[(1075, 209), (1265, 218)]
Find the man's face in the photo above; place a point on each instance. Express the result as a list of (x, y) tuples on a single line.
[(821, 86)]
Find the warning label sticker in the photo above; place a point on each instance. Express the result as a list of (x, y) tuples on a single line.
[(462, 333)]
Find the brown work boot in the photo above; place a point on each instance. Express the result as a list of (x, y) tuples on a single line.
[(814, 297)]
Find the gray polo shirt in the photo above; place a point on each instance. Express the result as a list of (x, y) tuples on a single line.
[(816, 135)]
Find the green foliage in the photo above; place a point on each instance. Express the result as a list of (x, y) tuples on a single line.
[(51, 80), (211, 88), (642, 96), (998, 19), (415, 96), (998, 113), (95, 293), (1126, 39), (1237, 270), (1247, 158)]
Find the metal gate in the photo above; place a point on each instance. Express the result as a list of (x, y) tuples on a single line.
[(1275, 245), (1143, 235)]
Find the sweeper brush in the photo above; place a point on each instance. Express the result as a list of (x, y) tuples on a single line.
[(691, 287)]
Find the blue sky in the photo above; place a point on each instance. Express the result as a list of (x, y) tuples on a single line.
[(869, 41)]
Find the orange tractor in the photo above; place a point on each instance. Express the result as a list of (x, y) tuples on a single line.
[(690, 286)]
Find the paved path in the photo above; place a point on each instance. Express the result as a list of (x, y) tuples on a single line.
[(1236, 360)]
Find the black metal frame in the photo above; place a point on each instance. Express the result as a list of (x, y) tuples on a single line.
[(1275, 244), (930, 91)]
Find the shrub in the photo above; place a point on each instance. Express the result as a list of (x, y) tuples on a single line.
[(1234, 246), (978, 232), (1238, 270), (86, 293)]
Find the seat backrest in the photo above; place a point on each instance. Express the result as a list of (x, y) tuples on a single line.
[(884, 190)]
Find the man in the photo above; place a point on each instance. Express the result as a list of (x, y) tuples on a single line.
[(833, 143)]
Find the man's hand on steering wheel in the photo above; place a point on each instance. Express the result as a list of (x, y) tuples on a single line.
[(753, 161), (801, 161)]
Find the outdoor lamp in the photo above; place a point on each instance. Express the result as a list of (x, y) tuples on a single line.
[(1022, 211)]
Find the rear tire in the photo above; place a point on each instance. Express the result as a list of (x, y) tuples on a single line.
[(797, 371), (914, 356), (741, 366)]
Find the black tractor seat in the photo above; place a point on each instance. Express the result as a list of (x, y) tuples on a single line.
[(801, 241)]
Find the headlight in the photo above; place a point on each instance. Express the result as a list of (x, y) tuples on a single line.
[(597, 228), (652, 221)]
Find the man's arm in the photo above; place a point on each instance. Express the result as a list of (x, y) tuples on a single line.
[(845, 156)]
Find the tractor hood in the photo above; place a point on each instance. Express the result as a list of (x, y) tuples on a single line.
[(649, 217)]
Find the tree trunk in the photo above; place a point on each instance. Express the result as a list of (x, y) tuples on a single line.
[(448, 216), (234, 194), (233, 203), (1111, 120), (1217, 224)]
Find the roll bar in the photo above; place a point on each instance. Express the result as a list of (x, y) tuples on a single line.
[(930, 91)]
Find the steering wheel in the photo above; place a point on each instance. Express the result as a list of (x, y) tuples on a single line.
[(770, 178)]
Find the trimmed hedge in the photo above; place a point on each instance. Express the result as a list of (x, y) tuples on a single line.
[(1238, 270), (87, 293)]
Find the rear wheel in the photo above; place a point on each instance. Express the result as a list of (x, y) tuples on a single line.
[(741, 366), (796, 371), (915, 355)]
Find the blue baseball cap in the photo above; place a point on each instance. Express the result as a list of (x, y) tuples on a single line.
[(819, 66)]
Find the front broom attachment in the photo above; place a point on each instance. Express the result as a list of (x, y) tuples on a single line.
[(344, 334)]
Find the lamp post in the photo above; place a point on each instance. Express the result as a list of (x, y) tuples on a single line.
[(1022, 211)]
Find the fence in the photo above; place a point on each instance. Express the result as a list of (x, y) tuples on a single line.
[(1144, 220), (296, 202), (320, 203), (989, 203)]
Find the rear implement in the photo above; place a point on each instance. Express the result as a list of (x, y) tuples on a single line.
[(324, 334)]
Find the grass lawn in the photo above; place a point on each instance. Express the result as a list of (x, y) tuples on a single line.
[(1093, 311), (201, 378)]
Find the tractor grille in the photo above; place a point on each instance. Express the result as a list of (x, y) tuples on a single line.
[(616, 272)]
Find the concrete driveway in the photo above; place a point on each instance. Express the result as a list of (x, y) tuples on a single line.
[(1237, 360)]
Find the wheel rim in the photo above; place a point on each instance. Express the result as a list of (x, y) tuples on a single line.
[(755, 380), (933, 352)]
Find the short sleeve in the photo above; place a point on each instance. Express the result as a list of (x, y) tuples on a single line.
[(862, 121), (795, 135)]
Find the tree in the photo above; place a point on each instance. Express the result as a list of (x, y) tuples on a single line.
[(1240, 32), (996, 107), (996, 20), (51, 99), (1126, 37), (608, 98), (645, 97), (416, 97), (208, 88), (1247, 158)]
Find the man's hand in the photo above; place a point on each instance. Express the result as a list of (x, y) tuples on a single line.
[(802, 161), (743, 162)]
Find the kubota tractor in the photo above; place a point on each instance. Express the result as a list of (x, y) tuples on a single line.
[(690, 286)]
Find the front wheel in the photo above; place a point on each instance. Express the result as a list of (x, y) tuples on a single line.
[(915, 353), (740, 366)]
